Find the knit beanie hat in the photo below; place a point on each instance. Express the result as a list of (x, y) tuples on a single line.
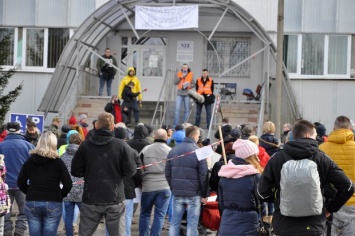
[(70, 133), (120, 133), (236, 133), (245, 148), (82, 117), (72, 120)]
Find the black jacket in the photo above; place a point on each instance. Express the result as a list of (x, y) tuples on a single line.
[(137, 143), (329, 172), (40, 179), (103, 161), (214, 179), (128, 96)]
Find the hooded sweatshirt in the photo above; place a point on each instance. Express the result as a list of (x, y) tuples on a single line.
[(103, 161), (126, 80), (40, 179), (329, 173)]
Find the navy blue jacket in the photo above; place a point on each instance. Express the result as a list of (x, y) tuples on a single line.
[(187, 177), (238, 203), (16, 149), (270, 138)]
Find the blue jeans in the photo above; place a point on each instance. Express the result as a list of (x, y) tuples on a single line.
[(193, 207), (21, 222), (179, 100), (198, 114), (43, 217), (69, 209), (129, 216), (160, 199), (108, 85)]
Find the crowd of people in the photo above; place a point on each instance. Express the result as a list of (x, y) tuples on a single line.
[(100, 173), (301, 180)]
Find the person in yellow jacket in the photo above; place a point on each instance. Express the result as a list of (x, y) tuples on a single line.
[(341, 148), (184, 82), (131, 77)]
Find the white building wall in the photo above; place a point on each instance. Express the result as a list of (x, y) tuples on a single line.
[(324, 100), (34, 87), (264, 11), (45, 13)]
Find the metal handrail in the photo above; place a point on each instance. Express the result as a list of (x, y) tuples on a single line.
[(166, 87)]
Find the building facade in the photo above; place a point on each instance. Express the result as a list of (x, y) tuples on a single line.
[(318, 52)]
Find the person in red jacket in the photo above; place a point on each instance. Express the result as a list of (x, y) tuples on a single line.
[(3, 134), (263, 155)]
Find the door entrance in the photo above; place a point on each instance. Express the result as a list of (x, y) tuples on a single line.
[(147, 56)]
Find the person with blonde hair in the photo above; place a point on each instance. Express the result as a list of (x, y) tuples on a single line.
[(236, 190), (40, 179), (268, 139)]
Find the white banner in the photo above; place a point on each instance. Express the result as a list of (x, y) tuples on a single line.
[(166, 18)]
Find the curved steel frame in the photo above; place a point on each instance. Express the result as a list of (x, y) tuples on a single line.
[(104, 20)]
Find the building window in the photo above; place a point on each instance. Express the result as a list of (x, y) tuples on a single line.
[(312, 54), (317, 55), (7, 36), (337, 55), (34, 47), (224, 53), (57, 39), (290, 53), (44, 46)]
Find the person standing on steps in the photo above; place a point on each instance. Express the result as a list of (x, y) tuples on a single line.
[(131, 77), (106, 71), (184, 82), (204, 87)]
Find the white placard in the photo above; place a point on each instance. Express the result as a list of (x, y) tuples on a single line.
[(166, 18), (153, 61), (204, 152), (185, 51)]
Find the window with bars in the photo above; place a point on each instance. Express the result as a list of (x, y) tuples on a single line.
[(44, 46), (7, 46), (57, 39), (223, 54)]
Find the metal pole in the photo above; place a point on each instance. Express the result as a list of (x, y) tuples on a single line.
[(279, 63)]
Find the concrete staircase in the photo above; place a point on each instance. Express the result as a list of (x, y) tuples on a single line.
[(92, 106), (241, 113), (238, 113)]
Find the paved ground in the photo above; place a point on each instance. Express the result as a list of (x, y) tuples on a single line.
[(101, 228)]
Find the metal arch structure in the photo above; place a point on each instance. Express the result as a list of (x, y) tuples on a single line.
[(107, 18)]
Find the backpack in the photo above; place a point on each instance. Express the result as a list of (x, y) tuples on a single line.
[(300, 178)]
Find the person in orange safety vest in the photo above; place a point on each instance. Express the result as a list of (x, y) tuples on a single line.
[(204, 87), (184, 82)]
